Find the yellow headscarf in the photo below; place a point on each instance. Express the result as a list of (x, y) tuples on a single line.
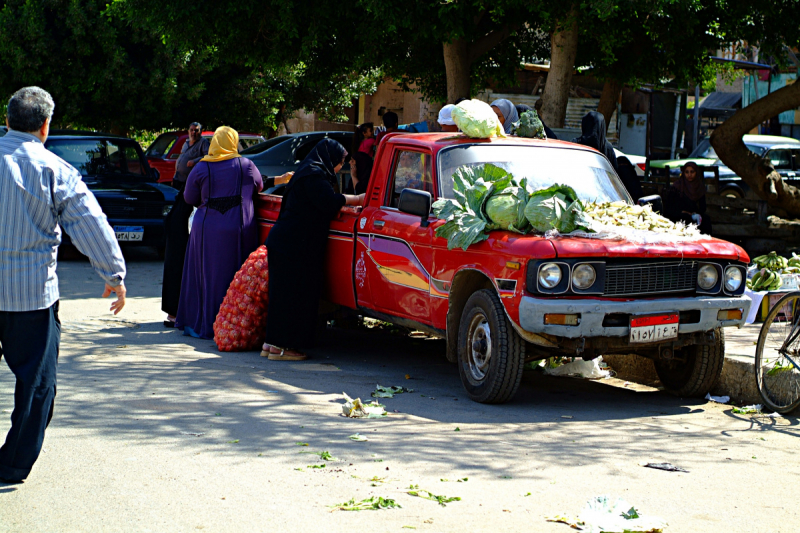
[(224, 145)]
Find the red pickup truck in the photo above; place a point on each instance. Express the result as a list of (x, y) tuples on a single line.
[(515, 298)]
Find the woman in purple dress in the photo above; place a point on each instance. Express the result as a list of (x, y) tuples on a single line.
[(224, 231)]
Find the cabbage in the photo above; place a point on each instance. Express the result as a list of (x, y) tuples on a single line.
[(476, 119), (529, 125), (506, 209), (556, 207)]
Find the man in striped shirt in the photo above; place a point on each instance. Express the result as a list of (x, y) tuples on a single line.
[(40, 194)]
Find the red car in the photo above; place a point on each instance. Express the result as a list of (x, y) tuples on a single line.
[(515, 298), (166, 149)]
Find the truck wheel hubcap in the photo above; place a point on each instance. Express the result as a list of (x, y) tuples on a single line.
[(480, 347)]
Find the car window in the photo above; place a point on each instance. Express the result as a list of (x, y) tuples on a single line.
[(247, 142), (161, 145), (104, 157), (756, 149), (780, 159), (412, 170), (588, 172), (305, 148), (266, 145)]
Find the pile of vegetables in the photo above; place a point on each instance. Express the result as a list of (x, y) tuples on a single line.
[(477, 119), (770, 267), (530, 126), (241, 322), (491, 198), (639, 217)]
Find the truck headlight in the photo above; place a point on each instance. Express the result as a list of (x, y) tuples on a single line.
[(166, 209), (707, 277), (583, 277), (549, 275), (733, 279)]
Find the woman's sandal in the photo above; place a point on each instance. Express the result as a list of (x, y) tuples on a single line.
[(265, 349), (282, 354)]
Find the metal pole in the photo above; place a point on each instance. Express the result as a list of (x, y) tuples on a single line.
[(675, 125), (696, 115)]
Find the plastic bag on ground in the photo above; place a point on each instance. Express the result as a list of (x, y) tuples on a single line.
[(242, 318), (601, 514), (584, 369), (718, 399), (357, 409)]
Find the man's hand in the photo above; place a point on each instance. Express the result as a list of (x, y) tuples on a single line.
[(190, 163), (119, 303)]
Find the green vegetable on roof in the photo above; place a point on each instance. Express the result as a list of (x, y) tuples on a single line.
[(529, 125), (477, 119)]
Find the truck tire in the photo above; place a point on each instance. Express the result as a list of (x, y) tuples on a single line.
[(699, 373), (490, 353)]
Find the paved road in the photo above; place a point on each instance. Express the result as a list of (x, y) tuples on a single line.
[(157, 432)]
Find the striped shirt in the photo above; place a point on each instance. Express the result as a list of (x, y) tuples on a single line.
[(39, 194)]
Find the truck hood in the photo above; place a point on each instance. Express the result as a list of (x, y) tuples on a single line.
[(707, 248)]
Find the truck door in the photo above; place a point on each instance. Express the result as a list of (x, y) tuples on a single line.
[(393, 255)]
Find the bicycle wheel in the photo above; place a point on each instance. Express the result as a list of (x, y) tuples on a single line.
[(778, 355)]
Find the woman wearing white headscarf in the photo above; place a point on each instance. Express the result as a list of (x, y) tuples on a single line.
[(506, 113), (445, 119)]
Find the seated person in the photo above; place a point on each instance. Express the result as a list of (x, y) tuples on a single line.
[(685, 200)]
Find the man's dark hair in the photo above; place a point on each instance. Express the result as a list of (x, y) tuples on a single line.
[(197, 125), (390, 119), (29, 108)]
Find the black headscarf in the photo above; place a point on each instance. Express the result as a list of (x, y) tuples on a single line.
[(323, 159), (593, 134)]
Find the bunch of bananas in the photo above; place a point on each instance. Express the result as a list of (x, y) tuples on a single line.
[(794, 261), (765, 280), (773, 261)]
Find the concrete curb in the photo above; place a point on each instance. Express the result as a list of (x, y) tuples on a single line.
[(737, 379)]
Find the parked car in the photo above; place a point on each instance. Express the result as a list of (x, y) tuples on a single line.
[(639, 162), (514, 298), (126, 187), (283, 154), (164, 152)]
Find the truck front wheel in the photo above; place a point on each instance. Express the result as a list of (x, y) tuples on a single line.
[(697, 375), (490, 353)]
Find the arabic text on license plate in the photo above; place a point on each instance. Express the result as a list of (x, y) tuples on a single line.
[(129, 233), (654, 328)]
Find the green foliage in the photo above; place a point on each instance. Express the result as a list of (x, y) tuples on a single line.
[(375, 503)]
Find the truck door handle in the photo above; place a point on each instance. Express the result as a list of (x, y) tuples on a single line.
[(379, 223)]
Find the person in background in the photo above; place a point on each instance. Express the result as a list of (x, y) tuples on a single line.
[(446, 119), (363, 157), (685, 200), (40, 195), (593, 134), (538, 108), (296, 251), (390, 121), (627, 173), (506, 113), (224, 230), (176, 224)]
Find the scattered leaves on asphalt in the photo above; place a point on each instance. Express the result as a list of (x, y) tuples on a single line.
[(301, 443), (316, 466), (457, 429), (233, 441), (422, 493), (375, 503), (358, 438)]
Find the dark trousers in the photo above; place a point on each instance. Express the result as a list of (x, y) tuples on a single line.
[(177, 231), (29, 343)]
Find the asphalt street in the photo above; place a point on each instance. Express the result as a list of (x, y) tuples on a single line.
[(154, 431)]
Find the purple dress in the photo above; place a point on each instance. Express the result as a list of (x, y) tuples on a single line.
[(224, 233)]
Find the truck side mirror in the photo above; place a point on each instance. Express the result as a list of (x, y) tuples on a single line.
[(654, 200), (415, 202)]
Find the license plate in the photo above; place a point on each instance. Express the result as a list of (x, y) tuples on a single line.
[(129, 233), (654, 328)]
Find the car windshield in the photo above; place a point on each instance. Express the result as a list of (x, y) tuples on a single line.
[(161, 146), (106, 157), (756, 149), (261, 147), (587, 172)]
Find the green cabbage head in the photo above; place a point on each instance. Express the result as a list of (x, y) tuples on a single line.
[(506, 209), (476, 119)]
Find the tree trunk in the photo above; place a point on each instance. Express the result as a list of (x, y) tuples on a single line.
[(755, 171), (608, 100), (457, 69), (563, 48)]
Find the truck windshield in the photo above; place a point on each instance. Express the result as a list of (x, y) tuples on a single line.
[(590, 174)]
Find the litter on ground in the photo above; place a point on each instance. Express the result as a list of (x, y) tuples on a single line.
[(358, 438), (602, 515), (718, 399), (357, 409), (669, 467), (580, 368), (388, 392), (748, 409)]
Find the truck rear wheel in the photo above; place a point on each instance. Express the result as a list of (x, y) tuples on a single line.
[(490, 353), (696, 376)]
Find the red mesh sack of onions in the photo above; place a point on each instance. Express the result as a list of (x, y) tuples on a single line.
[(242, 317)]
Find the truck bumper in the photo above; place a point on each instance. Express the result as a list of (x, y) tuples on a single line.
[(593, 313)]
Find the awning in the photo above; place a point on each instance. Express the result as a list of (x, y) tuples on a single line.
[(741, 65), (719, 104)]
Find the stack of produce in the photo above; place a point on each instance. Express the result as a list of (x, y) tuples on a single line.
[(639, 217), (488, 198), (768, 278), (242, 318), (530, 126), (477, 119)]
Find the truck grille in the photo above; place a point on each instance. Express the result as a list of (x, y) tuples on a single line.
[(628, 280), (132, 209)]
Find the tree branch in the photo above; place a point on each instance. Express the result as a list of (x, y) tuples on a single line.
[(481, 46)]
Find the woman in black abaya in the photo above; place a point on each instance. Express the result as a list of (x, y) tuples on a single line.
[(593, 133), (296, 252)]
